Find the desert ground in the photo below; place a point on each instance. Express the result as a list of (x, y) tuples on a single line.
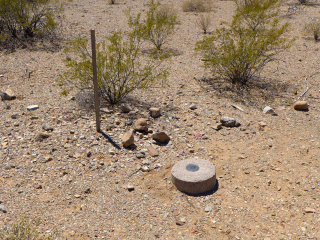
[(77, 180)]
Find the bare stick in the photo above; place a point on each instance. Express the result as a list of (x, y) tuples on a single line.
[(136, 171), (305, 90), (95, 81), (238, 108), (307, 85)]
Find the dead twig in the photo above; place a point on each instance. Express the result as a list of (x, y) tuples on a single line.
[(238, 108), (308, 88), (130, 175)]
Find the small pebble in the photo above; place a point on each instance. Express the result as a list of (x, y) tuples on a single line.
[(208, 209), (3, 208), (145, 169), (179, 223), (309, 210)]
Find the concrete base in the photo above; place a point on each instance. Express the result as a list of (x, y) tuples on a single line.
[(194, 176)]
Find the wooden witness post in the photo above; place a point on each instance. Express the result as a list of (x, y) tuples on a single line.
[(95, 81)]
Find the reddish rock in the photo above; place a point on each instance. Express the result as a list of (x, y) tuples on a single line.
[(179, 223), (161, 137), (176, 213), (154, 112), (152, 151), (127, 139), (301, 106), (141, 125), (198, 134)]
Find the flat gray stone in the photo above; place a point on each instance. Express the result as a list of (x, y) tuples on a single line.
[(229, 122), (194, 176), (47, 127)]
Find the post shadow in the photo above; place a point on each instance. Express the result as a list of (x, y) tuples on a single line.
[(113, 143)]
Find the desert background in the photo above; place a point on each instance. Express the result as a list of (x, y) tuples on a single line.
[(77, 180)]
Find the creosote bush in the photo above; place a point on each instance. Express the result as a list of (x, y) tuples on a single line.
[(197, 5), (23, 21), (204, 22), (159, 23), (121, 67), (240, 51), (313, 29)]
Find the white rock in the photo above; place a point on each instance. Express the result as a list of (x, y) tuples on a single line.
[(32, 107), (269, 110)]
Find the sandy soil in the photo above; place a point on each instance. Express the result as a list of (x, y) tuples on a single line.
[(268, 178)]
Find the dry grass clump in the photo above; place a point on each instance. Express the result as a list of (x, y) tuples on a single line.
[(313, 29), (204, 22), (111, 1), (25, 230), (197, 5)]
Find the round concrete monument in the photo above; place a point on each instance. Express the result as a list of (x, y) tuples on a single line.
[(194, 176)]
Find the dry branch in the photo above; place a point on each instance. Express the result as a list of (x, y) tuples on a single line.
[(307, 85)]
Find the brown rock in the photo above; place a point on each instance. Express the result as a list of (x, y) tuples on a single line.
[(179, 223), (261, 125), (8, 95), (41, 136), (141, 125), (127, 139), (301, 106), (154, 112), (37, 186), (161, 137), (309, 210), (152, 151)]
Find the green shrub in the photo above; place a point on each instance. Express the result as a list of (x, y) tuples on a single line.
[(239, 52), (204, 22), (313, 29), (25, 20), (197, 6), (159, 24), (120, 66), (25, 230)]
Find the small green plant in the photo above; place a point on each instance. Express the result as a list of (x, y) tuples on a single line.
[(313, 29), (120, 66), (25, 230), (22, 21), (65, 92), (159, 24), (254, 37), (197, 6), (204, 22)]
